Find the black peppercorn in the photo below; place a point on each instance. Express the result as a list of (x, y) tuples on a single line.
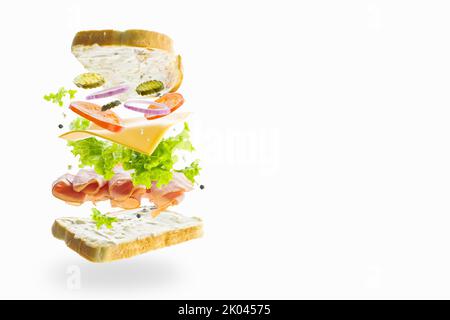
[(138, 215), (60, 126), (202, 187)]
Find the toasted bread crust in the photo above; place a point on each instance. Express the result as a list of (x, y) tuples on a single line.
[(131, 38), (124, 250)]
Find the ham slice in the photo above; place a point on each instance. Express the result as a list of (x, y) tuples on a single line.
[(102, 194), (86, 185), (166, 201), (87, 181), (171, 194), (62, 189), (120, 186), (133, 201)]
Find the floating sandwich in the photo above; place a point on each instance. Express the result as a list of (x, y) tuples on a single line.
[(124, 154)]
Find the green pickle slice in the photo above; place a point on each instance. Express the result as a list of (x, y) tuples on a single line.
[(111, 105), (89, 80), (149, 87)]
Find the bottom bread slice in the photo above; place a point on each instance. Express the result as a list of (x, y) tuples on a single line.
[(135, 232)]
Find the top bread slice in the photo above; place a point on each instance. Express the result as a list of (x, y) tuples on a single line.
[(135, 232), (131, 38), (129, 57)]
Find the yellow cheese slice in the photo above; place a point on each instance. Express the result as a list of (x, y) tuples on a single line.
[(139, 134)]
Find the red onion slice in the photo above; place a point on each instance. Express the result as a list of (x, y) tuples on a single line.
[(162, 108), (108, 92)]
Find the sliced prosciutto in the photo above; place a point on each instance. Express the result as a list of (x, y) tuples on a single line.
[(166, 201), (101, 195), (87, 181), (62, 189), (169, 195), (86, 185), (120, 186), (133, 201)]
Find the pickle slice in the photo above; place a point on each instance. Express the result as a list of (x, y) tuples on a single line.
[(89, 80), (149, 87), (111, 105)]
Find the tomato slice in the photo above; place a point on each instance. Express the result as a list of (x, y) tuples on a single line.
[(92, 112), (172, 100)]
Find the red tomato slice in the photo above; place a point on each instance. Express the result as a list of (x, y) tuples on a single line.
[(92, 112), (172, 100)]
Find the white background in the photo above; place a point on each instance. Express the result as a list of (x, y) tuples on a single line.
[(323, 129)]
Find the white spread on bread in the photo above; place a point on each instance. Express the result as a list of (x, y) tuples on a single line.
[(129, 227), (129, 65)]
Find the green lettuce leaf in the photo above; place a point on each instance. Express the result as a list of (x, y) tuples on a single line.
[(191, 171), (58, 97), (104, 156), (79, 124), (102, 219)]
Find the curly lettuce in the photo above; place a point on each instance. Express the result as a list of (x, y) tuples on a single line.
[(191, 171), (102, 219), (158, 167), (79, 124), (58, 97)]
